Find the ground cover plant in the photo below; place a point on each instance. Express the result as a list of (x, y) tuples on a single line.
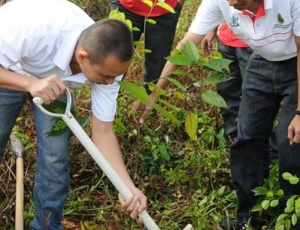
[(181, 166)]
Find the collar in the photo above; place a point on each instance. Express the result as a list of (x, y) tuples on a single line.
[(260, 12), (65, 52)]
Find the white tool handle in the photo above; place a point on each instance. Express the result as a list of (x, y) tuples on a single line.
[(98, 157)]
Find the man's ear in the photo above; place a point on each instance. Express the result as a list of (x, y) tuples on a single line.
[(82, 56)]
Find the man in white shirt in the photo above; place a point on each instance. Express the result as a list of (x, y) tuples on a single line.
[(272, 29), (42, 43)]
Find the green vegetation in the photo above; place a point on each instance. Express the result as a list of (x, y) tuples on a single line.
[(178, 157)]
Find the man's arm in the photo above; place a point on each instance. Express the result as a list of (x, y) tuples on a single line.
[(47, 88), (105, 139), (167, 70), (294, 127)]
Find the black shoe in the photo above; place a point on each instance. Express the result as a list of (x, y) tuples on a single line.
[(232, 224)]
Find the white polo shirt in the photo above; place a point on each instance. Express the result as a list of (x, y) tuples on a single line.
[(39, 36), (271, 36)]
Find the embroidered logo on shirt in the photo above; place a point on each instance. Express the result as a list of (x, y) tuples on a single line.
[(280, 18), (233, 22), (281, 21)]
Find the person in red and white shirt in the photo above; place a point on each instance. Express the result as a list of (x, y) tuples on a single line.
[(158, 37), (272, 29)]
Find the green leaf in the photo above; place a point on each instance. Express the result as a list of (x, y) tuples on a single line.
[(166, 114), (129, 23), (287, 224), (146, 51), (294, 180), (270, 194), (148, 3), (274, 203), (281, 217), (217, 78), (213, 98), (217, 64), (294, 219), (265, 204), (176, 83), (286, 175), (116, 14), (280, 193), (258, 191), (179, 59), (165, 6), (190, 50), (297, 203), (83, 121), (163, 151), (136, 91), (58, 128), (56, 107), (151, 21), (191, 124)]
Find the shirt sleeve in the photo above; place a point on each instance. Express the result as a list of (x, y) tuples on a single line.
[(104, 100), (295, 11), (208, 17)]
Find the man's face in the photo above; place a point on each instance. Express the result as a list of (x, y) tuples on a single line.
[(105, 73), (240, 4)]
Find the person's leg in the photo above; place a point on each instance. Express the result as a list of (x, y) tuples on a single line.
[(52, 173), (11, 103), (249, 155), (231, 90), (289, 155), (159, 39)]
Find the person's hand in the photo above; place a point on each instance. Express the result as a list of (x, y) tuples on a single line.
[(294, 130), (137, 105), (135, 205), (48, 88), (207, 42)]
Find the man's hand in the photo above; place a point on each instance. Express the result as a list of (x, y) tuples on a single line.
[(207, 42), (135, 205), (48, 88), (137, 105), (294, 130)]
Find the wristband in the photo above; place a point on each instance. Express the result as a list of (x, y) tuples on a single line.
[(297, 111)]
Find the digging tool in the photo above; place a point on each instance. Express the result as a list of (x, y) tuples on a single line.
[(95, 153), (18, 150)]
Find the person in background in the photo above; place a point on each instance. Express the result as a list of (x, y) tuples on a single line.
[(158, 37), (232, 48), (272, 30), (45, 44)]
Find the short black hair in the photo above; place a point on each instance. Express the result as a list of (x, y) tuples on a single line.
[(107, 37)]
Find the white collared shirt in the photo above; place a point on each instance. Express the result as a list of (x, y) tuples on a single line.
[(39, 36), (271, 36)]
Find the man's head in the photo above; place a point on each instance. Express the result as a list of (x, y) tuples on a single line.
[(105, 50), (243, 4)]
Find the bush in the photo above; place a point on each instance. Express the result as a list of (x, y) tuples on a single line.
[(97, 9)]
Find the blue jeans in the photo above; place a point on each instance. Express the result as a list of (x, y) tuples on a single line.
[(267, 86), (158, 38), (52, 160)]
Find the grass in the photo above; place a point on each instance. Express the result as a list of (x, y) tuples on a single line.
[(185, 181)]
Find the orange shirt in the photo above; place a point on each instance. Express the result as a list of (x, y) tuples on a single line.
[(228, 38), (140, 8)]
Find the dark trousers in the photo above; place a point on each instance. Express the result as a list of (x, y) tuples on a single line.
[(267, 86), (231, 90), (158, 38)]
